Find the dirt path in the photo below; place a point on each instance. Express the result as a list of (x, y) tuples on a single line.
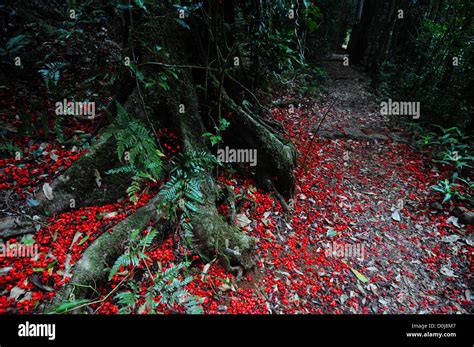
[(362, 238)]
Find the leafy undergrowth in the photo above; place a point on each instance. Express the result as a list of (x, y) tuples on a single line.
[(414, 259)]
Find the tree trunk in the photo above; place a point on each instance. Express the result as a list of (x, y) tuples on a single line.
[(214, 235)]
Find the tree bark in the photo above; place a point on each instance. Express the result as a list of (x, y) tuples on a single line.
[(214, 236)]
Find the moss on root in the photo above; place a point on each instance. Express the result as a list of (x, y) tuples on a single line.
[(216, 237)]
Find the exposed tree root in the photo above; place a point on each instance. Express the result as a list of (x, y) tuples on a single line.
[(86, 181), (94, 264), (213, 235), (13, 226), (276, 160)]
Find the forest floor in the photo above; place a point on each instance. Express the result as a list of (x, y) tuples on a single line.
[(363, 235)]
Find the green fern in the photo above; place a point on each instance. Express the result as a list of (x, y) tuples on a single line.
[(181, 196), (137, 147), (135, 252), (9, 147), (127, 301), (168, 287), (171, 290)]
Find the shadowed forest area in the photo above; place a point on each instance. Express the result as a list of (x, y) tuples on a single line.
[(227, 157)]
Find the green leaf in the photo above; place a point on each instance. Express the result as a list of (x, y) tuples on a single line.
[(223, 124), (28, 240), (50, 265), (164, 85), (141, 4), (311, 25), (124, 6), (361, 277), (15, 40), (447, 197), (215, 139), (40, 269), (182, 23), (67, 306), (246, 104), (84, 240), (126, 298)]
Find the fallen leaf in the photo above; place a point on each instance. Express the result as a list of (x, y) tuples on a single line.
[(32, 202), (35, 279), (98, 178), (225, 287), (447, 272), (84, 239), (110, 215), (76, 237), (451, 238), (361, 277), (53, 156), (16, 292), (396, 216), (243, 220), (331, 232), (454, 221), (5, 270), (48, 191), (205, 270)]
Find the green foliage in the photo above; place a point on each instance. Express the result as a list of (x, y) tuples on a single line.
[(148, 82), (58, 129), (14, 45), (309, 81), (448, 189), (277, 41), (422, 66), (170, 288), (187, 11), (216, 138), (181, 196), (69, 306), (167, 288), (426, 139), (452, 148), (33, 124), (127, 300), (137, 147), (454, 158), (450, 136), (52, 72), (9, 147), (135, 252), (141, 4), (312, 15)]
